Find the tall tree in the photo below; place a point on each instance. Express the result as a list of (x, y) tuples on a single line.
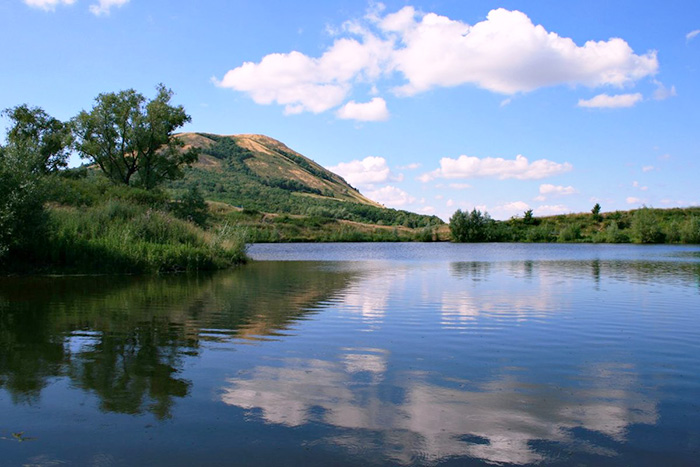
[(472, 227), (132, 140), (40, 140)]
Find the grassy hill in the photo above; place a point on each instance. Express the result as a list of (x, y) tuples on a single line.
[(261, 175)]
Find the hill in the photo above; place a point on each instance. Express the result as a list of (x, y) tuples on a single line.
[(260, 174)]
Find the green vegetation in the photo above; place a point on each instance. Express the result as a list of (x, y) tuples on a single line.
[(645, 225), (95, 226), (81, 220), (131, 140), (231, 173)]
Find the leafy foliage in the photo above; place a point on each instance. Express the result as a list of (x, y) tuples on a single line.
[(646, 225), (472, 227), (42, 141), (131, 139), (192, 207)]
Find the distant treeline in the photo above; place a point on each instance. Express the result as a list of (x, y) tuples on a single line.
[(645, 225)]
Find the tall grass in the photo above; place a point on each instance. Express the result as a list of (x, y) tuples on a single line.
[(122, 236)]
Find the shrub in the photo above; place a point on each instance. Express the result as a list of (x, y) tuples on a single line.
[(645, 227), (690, 230)]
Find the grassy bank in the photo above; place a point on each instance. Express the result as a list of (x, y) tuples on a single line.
[(261, 227), (94, 226)]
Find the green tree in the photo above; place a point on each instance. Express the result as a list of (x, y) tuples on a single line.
[(192, 207), (472, 227), (21, 199), (645, 226), (36, 144), (132, 139), (529, 219), (596, 213), (42, 140)]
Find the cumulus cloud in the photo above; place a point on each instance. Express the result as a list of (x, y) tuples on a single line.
[(427, 210), (637, 185), (633, 200), (495, 167), (692, 35), (662, 92), (411, 166), (551, 210), (391, 196), (306, 84), (513, 208), (555, 190), (506, 53), (365, 172), (372, 111), (104, 7), (48, 5), (605, 101)]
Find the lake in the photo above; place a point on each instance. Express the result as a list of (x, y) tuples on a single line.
[(361, 354)]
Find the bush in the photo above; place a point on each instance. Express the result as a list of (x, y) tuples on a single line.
[(192, 207), (690, 230), (22, 196), (472, 227), (645, 227), (570, 233)]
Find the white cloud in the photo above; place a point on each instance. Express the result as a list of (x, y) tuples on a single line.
[(472, 167), (306, 84), (104, 7), (372, 111), (662, 92), (411, 166), (506, 53), (450, 203), (367, 171), (647, 168), (551, 210), (633, 200), (692, 35), (459, 186), (511, 209), (391, 196), (48, 5), (605, 101), (427, 210), (637, 185), (548, 189)]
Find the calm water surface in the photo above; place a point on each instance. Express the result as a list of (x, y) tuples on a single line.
[(361, 354)]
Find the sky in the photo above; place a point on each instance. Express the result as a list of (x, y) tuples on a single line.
[(428, 106)]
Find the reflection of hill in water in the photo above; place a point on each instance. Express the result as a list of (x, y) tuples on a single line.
[(124, 338)]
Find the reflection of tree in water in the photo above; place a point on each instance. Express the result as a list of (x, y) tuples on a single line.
[(667, 272), (134, 371), (29, 353), (125, 339)]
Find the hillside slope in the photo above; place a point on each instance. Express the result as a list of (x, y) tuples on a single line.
[(258, 173)]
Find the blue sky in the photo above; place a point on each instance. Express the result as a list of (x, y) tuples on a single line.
[(428, 106)]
